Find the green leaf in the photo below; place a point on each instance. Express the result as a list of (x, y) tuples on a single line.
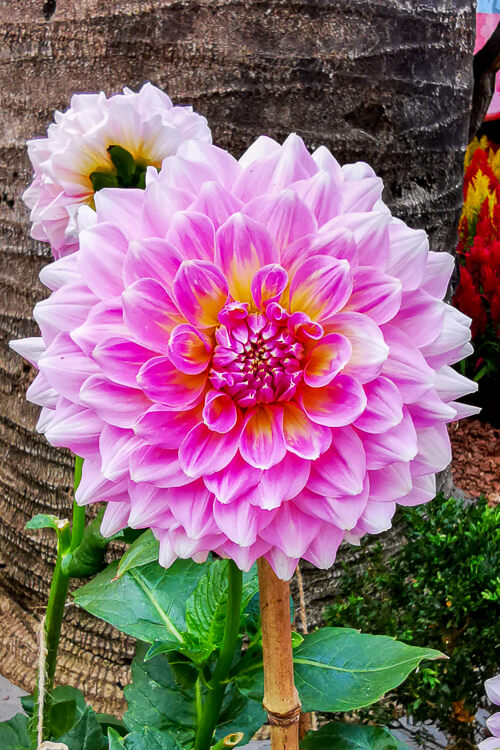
[(155, 699), (88, 558), (147, 602), (28, 704), (101, 180), (144, 550), (239, 714), (145, 739), (161, 647), (86, 734), (107, 721), (341, 669), (349, 737), (44, 521), (62, 717), (14, 733), (124, 163)]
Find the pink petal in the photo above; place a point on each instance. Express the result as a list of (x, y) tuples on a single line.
[(122, 207), (291, 530), (154, 464), (219, 413), (148, 506), (431, 409), (151, 258), (281, 482), (327, 359), (284, 215), (150, 314), (30, 349), (66, 367), (101, 258), (371, 232), (235, 479), (336, 240), (116, 446), (40, 392), (374, 294), (164, 427), (384, 408), (492, 687), (164, 383), (303, 437), (61, 272), (341, 469), (390, 483), (423, 490), (463, 410), (451, 385), (420, 317), (262, 442), (434, 450), (75, 427), (369, 350), (240, 521), (397, 444), (193, 507), (408, 252), (454, 335), (161, 203), (94, 487), (343, 512), (244, 557), (242, 247), (121, 359), (189, 350), (193, 235), (201, 292), (361, 194), (268, 285), (205, 452), (437, 273), (263, 146), (325, 160), (405, 365), (115, 518), (323, 549), (216, 203), (104, 321), (321, 287), (223, 166), (337, 404), (64, 310), (321, 194), (377, 517), (283, 566), (116, 404)]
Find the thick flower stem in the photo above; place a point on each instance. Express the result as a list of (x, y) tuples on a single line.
[(281, 700), (217, 685)]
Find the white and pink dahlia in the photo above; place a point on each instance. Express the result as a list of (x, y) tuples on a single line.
[(492, 687), (74, 158), (252, 356)]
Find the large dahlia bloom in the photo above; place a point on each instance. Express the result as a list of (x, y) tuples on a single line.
[(253, 357), (74, 159), (492, 687)]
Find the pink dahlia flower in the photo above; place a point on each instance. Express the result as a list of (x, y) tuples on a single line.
[(145, 124), (493, 723), (252, 356)]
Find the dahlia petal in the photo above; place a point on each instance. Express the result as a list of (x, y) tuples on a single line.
[(454, 335), (371, 233), (263, 146), (150, 314), (327, 359), (451, 385), (384, 408), (490, 743), (390, 483), (101, 257), (189, 350), (376, 517), (422, 491), (217, 203), (321, 287), (408, 251), (244, 557), (161, 426), (492, 687), (343, 512), (64, 310), (115, 518), (123, 208), (268, 285), (262, 441), (161, 381), (193, 235), (95, 487), (325, 161), (160, 467), (337, 404), (437, 273), (291, 530), (420, 317), (118, 405), (281, 482), (30, 349), (194, 508), (149, 507), (240, 521), (223, 166), (321, 195), (233, 480), (337, 241), (219, 413), (40, 392), (66, 367), (462, 411), (406, 366), (203, 451), (361, 194), (104, 321), (61, 272), (160, 204), (431, 409), (323, 549), (116, 445), (284, 215), (151, 258), (434, 450), (369, 350), (242, 247), (374, 294), (121, 359), (302, 436), (357, 171), (493, 724), (74, 427), (397, 444), (341, 469), (201, 292)]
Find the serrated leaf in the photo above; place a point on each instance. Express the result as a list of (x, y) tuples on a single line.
[(147, 603), (145, 739), (341, 669), (14, 733), (86, 734), (144, 550), (349, 737)]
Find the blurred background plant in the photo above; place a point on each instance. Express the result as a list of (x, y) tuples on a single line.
[(443, 590)]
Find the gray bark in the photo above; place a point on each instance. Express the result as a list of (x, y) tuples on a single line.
[(386, 81)]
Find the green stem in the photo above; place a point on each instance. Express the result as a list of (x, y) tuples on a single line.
[(217, 685), (78, 527)]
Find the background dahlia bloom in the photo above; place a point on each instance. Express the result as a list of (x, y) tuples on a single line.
[(492, 687), (146, 124), (253, 357)]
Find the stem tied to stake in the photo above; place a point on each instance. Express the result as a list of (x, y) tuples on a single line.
[(281, 700)]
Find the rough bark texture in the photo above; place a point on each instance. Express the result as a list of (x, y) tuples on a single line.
[(388, 81)]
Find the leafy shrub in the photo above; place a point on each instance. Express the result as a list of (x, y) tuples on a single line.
[(441, 590)]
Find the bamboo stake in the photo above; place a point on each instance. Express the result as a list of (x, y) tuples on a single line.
[(281, 700)]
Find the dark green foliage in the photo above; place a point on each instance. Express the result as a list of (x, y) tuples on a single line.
[(339, 736), (126, 174), (442, 590)]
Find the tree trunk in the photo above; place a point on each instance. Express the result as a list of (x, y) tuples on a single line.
[(388, 81)]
